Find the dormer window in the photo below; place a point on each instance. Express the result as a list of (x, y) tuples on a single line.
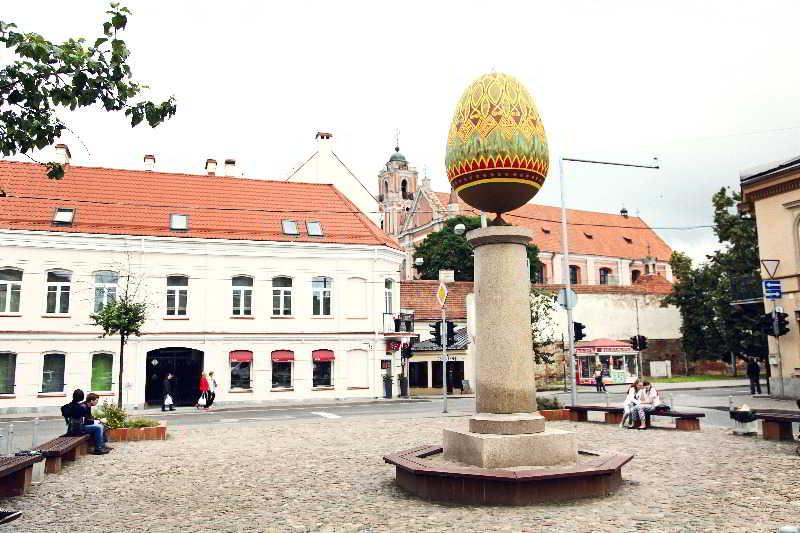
[(178, 222), (289, 227), (63, 216), (628, 240), (546, 231), (588, 235), (314, 229)]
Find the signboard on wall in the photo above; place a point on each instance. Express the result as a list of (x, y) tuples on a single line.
[(386, 364)]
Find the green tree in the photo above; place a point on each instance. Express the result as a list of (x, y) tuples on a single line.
[(714, 324), (125, 316), (444, 250), (50, 77), (543, 334)]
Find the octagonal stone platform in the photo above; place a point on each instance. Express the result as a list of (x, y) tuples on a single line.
[(546, 448)]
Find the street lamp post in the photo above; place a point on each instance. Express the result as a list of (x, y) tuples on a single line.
[(565, 257)]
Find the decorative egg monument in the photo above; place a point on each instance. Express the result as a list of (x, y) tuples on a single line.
[(497, 161)]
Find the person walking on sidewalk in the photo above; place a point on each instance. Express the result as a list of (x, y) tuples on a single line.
[(203, 399), (167, 394), (212, 390), (754, 374), (598, 379)]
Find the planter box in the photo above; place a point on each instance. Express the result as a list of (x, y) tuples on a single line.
[(555, 414), (158, 432)]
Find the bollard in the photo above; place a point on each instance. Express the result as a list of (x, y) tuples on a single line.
[(730, 402), (606, 398), (10, 441), (35, 434)]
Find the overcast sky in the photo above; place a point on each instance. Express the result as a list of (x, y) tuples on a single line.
[(708, 87)]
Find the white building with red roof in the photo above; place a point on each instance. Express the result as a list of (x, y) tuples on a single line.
[(280, 288)]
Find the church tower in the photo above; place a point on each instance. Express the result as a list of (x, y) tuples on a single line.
[(397, 187)]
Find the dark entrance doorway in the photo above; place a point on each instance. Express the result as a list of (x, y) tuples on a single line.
[(184, 363), (455, 374)]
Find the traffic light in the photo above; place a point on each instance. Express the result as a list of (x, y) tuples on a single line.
[(451, 333), (436, 332), (634, 342), (765, 324), (783, 323), (405, 351), (639, 342), (577, 330)]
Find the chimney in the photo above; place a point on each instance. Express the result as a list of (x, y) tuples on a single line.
[(324, 142), (448, 276), (149, 162), (623, 212), (452, 203), (62, 154), (230, 167), (211, 167)]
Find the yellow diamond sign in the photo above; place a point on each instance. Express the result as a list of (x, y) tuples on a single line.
[(441, 293)]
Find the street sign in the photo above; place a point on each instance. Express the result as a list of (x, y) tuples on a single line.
[(567, 298), (771, 266), (772, 289), (441, 294)]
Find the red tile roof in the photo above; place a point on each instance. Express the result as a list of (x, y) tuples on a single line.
[(132, 202), (589, 232), (420, 295)]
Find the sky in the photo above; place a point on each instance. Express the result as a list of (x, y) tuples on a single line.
[(710, 88)]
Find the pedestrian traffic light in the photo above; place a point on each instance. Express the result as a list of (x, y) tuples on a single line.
[(578, 333), (405, 351), (639, 342), (782, 323), (634, 342), (451, 333), (436, 332)]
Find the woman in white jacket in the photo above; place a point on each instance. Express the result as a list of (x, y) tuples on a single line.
[(631, 403)]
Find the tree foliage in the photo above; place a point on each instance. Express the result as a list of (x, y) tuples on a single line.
[(444, 250), (124, 317), (48, 77), (713, 326), (543, 333)]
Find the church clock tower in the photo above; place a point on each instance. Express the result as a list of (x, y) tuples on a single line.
[(397, 187)]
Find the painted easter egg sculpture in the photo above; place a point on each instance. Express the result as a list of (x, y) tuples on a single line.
[(497, 156)]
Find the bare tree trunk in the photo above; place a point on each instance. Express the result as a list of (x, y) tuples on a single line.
[(119, 379)]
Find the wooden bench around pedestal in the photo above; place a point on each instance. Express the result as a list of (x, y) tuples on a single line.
[(684, 421), (62, 449), (777, 426), (16, 474)]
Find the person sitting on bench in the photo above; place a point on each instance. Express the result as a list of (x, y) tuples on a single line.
[(94, 426)]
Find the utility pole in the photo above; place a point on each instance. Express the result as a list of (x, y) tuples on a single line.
[(639, 369), (565, 257)]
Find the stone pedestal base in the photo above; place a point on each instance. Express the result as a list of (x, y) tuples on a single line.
[(548, 448), (507, 424)]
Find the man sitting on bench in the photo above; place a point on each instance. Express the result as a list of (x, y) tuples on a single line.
[(79, 419)]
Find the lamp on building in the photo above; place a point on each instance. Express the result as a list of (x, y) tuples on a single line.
[(460, 229), (419, 261)]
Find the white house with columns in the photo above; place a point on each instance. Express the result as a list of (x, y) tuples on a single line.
[(241, 277)]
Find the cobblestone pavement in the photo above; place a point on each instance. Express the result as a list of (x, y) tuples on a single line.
[(328, 475)]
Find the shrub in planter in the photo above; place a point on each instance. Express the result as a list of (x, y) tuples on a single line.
[(113, 416), (548, 403), (550, 408), (140, 422)]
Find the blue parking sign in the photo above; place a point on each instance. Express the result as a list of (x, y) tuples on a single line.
[(772, 289)]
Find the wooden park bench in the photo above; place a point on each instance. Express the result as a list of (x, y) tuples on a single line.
[(62, 449), (684, 421), (16, 473), (777, 424)]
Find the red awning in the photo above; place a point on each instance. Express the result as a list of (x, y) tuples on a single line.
[(241, 356), (322, 355), (282, 356)]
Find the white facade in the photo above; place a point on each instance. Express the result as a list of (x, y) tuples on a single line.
[(353, 331)]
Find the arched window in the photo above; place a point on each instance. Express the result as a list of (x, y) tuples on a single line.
[(177, 295), (322, 288), (388, 288), (102, 365), (635, 274), (8, 371), (105, 289), (604, 274), (574, 274), (282, 296), (385, 189), (10, 289), (242, 287), (404, 189), (59, 283)]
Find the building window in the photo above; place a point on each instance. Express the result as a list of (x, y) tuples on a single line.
[(538, 274), (404, 189), (386, 189), (289, 227), (10, 288), (635, 274), (321, 299), (177, 295), (105, 289), (282, 361), (418, 374), (58, 287), (53, 373), (604, 274), (63, 216), (178, 222), (8, 371), (323, 368), (242, 287), (314, 229), (241, 362), (102, 366), (282, 296), (388, 288), (574, 274)]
